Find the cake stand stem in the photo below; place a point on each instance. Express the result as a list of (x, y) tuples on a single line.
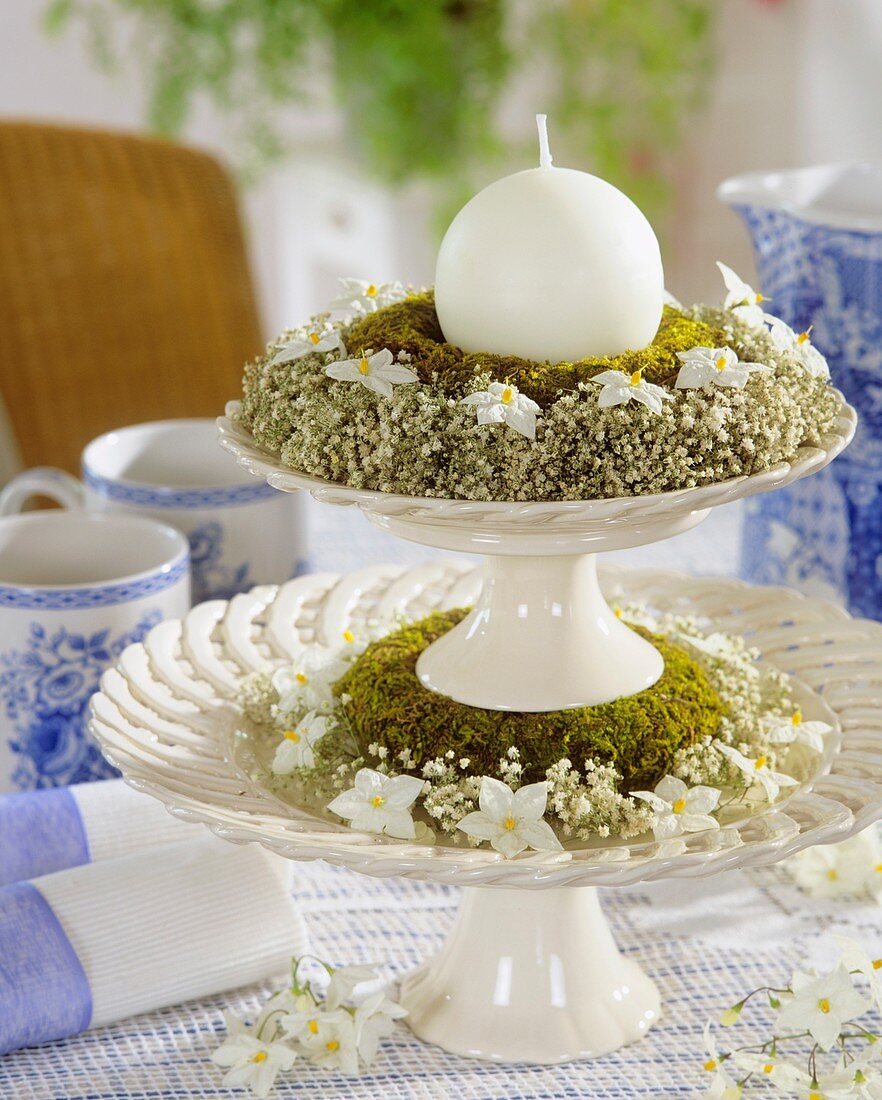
[(540, 637), (530, 976)]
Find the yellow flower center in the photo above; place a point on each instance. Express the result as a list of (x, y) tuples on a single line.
[(364, 366), (348, 636), (832, 874), (509, 823), (617, 611), (797, 718), (759, 763), (371, 291), (261, 1056), (301, 679), (878, 867), (804, 337), (378, 801), (332, 1045), (636, 377), (507, 396), (313, 1027), (758, 298), (721, 362), (815, 1096), (314, 337), (292, 735), (877, 964), (768, 1067), (710, 1065), (824, 1005), (679, 806)]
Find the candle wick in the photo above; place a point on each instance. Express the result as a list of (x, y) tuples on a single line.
[(544, 152)]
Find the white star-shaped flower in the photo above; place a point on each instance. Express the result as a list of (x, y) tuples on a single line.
[(380, 803), (758, 771), (855, 958), (786, 731), (251, 1061), (714, 367), (722, 1086), (511, 820), (502, 403), (326, 1036), (821, 1004), (378, 372), (680, 809), (375, 1020), (618, 388), (847, 869), (800, 343), (742, 299), (361, 296), (344, 981), (308, 684), (295, 748), (295, 348)]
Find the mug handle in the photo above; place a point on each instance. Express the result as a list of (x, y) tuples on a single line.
[(43, 481)]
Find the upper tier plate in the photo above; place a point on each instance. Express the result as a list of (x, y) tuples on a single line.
[(541, 526), (164, 718)]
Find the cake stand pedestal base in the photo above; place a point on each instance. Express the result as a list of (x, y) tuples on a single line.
[(530, 976)]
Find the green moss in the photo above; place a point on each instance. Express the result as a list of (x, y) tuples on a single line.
[(639, 734), (412, 326)]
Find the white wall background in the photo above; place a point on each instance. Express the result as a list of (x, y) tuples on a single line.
[(796, 82)]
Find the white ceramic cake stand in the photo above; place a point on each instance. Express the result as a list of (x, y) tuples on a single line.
[(540, 636), (530, 971)]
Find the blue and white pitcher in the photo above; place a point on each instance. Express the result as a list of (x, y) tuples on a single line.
[(817, 234)]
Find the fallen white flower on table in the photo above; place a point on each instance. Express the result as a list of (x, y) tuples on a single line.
[(251, 1061), (502, 403), (758, 771), (680, 809), (618, 388), (327, 1036), (800, 343), (295, 748), (378, 372), (362, 296), (380, 803), (374, 1021), (742, 299), (787, 731), (722, 1086), (855, 959), (345, 980), (511, 820), (821, 1004), (308, 683), (848, 869), (704, 366), (328, 340)]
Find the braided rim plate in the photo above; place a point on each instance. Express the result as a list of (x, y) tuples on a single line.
[(564, 515), (165, 719)]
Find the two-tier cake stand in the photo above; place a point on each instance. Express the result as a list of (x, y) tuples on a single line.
[(530, 971)]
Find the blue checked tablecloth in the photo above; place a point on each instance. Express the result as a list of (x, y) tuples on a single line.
[(705, 943)]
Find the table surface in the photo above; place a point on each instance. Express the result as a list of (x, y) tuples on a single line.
[(706, 943)]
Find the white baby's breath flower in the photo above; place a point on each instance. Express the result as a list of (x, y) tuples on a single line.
[(847, 869), (328, 340), (361, 296), (800, 344), (821, 1004), (619, 387), (249, 1060), (758, 771), (742, 299), (295, 750), (787, 731), (511, 820), (378, 372), (680, 809), (380, 803), (502, 403), (707, 367), (308, 683)]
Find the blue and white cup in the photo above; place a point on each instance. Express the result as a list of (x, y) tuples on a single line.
[(75, 590), (241, 531)]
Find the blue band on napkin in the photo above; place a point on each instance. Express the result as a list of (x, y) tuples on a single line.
[(44, 991), (40, 832)]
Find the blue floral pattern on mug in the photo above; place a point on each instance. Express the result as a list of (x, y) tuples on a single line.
[(45, 691), (211, 578), (823, 535)]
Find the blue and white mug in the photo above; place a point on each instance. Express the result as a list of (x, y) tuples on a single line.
[(241, 531), (75, 590)]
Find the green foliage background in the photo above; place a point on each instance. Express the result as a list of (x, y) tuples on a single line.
[(420, 81)]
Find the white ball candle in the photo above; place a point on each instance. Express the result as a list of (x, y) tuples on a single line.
[(549, 264)]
